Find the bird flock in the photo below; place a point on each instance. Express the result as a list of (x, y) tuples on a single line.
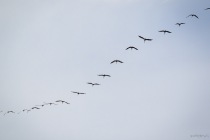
[(59, 102)]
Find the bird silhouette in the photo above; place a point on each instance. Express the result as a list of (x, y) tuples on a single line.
[(165, 31), (35, 108), (104, 75), (145, 39), (93, 84), (9, 112), (78, 92), (116, 61), (62, 101), (131, 47), (207, 9), (193, 15), (50, 104), (179, 24), (41, 105)]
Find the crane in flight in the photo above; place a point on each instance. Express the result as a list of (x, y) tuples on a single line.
[(131, 47), (62, 101), (50, 104), (104, 75), (116, 61), (35, 108), (9, 112), (193, 15), (77, 92), (165, 31), (93, 84), (179, 24), (145, 39)]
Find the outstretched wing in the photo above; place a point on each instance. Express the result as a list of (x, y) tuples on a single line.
[(141, 37), (135, 48), (149, 39), (189, 16), (162, 31), (119, 61), (74, 92), (196, 16), (113, 61)]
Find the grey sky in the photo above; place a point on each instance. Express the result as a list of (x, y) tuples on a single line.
[(50, 48)]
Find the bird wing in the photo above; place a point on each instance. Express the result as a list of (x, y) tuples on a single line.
[(135, 48), (196, 16), (74, 92), (189, 16), (162, 31), (149, 39), (120, 61), (141, 37), (113, 61)]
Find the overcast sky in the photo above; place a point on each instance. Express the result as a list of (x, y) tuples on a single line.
[(49, 48)]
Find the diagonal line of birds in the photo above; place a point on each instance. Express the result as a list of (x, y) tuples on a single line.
[(59, 102)]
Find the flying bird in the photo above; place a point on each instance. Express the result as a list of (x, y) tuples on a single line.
[(93, 84), (26, 110), (131, 47), (165, 31), (50, 104), (41, 105), (9, 112), (145, 39), (78, 92), (179, 24), (207, 9), (35, 108), (193, 15), (62, 101), (116, 61), (104, 75)]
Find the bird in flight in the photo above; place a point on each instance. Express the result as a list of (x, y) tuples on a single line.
[(165, 31), (179, 24), (41, 105), (145, 39), (104, 75), (26, 110), (62, 101), (193, 15), (78, 92), (50, 104), (93, 84), (9, 112), (207, 9), (35, 108), (131, 47), (116, 61)]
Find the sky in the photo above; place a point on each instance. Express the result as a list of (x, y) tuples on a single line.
[(49, 48)]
